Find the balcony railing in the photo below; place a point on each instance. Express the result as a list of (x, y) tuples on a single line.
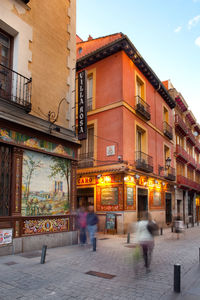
[(167, 130), (191, 138), (15, 88), (169, 173), (188, 183), (86, 160), (180, 125), (143, 162), (197, 146), (181, 153), (143, 108), (191, 161)]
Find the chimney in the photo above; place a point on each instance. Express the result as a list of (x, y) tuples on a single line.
[(90, 38)]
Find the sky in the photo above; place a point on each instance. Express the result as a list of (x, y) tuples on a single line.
[(165, 32)]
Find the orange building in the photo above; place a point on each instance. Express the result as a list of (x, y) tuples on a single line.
[(126, 164), (187, 153)]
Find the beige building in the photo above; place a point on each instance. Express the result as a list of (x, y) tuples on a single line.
[(38, 147)]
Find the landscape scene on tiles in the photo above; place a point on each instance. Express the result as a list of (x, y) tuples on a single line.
[(45, 184)]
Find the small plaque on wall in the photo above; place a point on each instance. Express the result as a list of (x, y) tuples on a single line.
[(129, 193), (157, 198), (109, 196)]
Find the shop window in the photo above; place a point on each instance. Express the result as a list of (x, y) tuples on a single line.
[(5, 180)]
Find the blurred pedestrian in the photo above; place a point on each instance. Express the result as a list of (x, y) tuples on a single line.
[(145, 237), (82, 224), (92, 221), (178, 225)]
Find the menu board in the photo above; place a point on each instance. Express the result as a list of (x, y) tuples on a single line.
[(109, 196), (157, 198), (110, 221), (129, 193)]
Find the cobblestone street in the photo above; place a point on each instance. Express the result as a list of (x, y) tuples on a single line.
[(63, 276)]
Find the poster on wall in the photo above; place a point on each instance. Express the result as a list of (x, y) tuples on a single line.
[(157, 198), (110, 221), (5, 236), (129, 192), (45, 184), (109, 196)]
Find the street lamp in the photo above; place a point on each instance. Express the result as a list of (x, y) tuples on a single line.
[(168, 162)]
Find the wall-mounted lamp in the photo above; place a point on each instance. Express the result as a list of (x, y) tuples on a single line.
[(168, 162), (99, 176), (119, 158), (156, 181), (175, 186), (163, 183), (137, 176)]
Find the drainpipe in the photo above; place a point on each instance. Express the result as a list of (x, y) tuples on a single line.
[(184, 207)]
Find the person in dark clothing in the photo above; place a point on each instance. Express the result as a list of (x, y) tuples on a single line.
[(92, 221), (82, 224)]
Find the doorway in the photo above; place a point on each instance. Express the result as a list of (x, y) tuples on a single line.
[(85, 197), (168, 208), (142, 202)]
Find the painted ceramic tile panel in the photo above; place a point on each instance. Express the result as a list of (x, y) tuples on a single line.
[(45, 184)]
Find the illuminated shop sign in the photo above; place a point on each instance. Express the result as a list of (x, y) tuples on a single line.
[(86, 180), (82, 105)]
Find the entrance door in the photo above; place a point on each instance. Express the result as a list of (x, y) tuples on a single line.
[(85, 197), (142, 202), (168, 208)]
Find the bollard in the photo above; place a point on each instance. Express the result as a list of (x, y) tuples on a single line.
[(192, 224), (43, 255), (187, 225), (128, 237), (94, 244), (161, 231), (177, 278), (197, 223), (172, 229), (199, 255)]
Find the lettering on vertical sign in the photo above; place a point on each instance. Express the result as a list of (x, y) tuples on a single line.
[(82, 105)]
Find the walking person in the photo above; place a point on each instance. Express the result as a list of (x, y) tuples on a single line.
[(145, 238), (92, 221), (82, 224)]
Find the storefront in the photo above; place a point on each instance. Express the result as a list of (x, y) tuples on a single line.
[(38, 189), (128, 196)]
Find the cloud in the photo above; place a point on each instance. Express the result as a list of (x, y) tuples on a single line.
[(178, 29), (197, 41), (193, 22)]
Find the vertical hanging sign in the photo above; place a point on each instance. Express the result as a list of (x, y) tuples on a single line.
[(82, 105)]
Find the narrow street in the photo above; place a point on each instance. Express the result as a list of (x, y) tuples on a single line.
[(63, 276)]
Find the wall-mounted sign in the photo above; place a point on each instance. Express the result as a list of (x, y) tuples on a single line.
[(157, 198), (110, 221), (129, 191), (82, 105), (5, 236), (109, 196), (86, 180), (110, 150)]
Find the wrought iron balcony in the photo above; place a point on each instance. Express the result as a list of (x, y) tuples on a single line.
[(15, 88), (191, 137), (180, 125), (86, 160), (187, 183), (143, 108), (143, 162), (191, 161), (167, 172), (167, 129), (181, 154)]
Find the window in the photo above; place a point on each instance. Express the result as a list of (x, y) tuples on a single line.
[(139, 87), (140, 139), (166, 153), (87, 149), (4, 49), (89, 92), (180, 169), (165, 115), (180, 141), (190, 174)]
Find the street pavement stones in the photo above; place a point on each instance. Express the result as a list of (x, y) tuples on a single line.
[(63, 274)]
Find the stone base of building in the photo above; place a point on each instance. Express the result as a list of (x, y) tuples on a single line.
[(31, 243)]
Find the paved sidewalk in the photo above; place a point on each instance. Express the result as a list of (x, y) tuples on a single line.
[(63, 276)]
